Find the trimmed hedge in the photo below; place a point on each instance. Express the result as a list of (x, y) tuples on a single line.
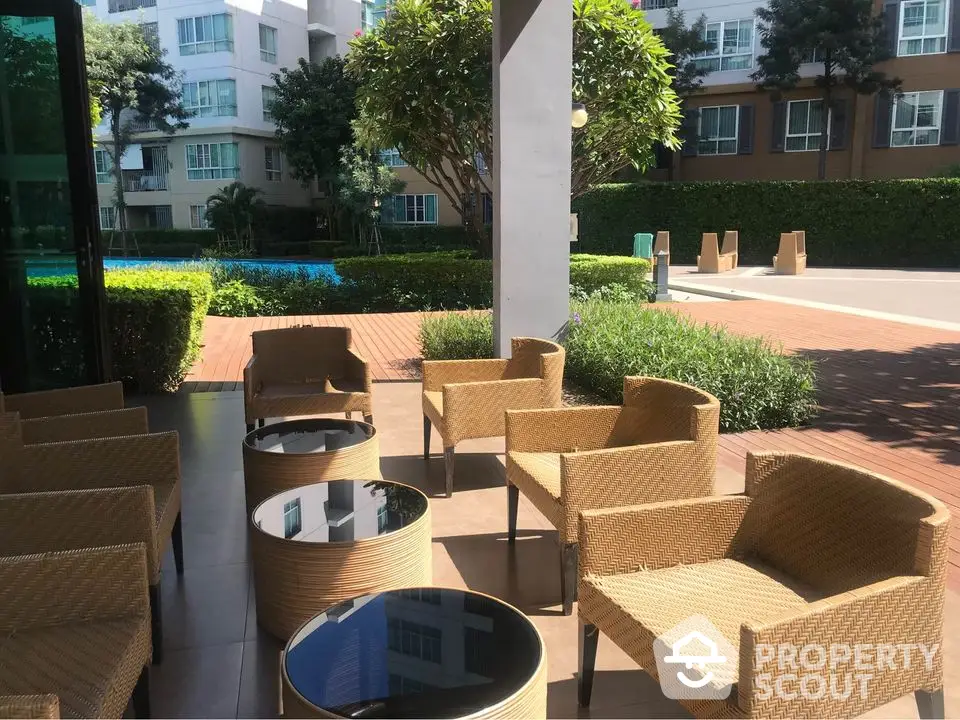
[(849, 223), (457, 336), (154, 324), (164, 243), (426, 238), (592, 272)]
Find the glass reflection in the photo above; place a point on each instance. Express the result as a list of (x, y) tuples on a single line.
[(427, 652), (301, 437), (340, 511)]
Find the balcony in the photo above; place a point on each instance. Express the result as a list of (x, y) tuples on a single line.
[(141, 124), (657, 4), (116, 6), (144, 181)]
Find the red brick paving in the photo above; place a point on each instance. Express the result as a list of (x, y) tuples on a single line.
[(889, 392)]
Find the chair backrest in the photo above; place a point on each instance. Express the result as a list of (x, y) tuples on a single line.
[(301, 354), (801, 241), (788, 247), (667, 410), (731, 241), (533, 357), (65, 401), (11, 443), (835, 527)]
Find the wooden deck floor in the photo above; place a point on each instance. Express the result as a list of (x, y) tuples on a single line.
[(890, 392)]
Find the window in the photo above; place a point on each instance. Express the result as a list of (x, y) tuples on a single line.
[(657, 4), (487, 209), (205, 34), (373, 13), (717, 131), (268, 44), (916, 119), (923, 27), (271, 159), (804, 122), (198, 217), (268, 94), (151, 34), (391, 158), (124, 5), (413, 639), (101, 160), (211, 98), (412, 209), (812, 56), (732, 42), (212, 161), (430, 596), (292, 522), (108, 218)]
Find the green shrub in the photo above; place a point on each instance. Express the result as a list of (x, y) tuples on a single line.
[(235, 298), (152, 242), (154, 322), (457, 336), (397, 239), (593, 272), (758, 387), (849, 223)]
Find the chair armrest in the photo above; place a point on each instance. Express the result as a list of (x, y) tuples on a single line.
[(75, 519), (252, 382), (106, 583), (437, 373), (66, 401), (358, 369), (29, 706), (561, 430), (85, 426), (659, 535), (100, 463), (891, 613), (478, 409), (634, 475)]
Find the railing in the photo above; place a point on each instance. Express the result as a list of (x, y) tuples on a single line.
[(115, 6), (141, 124), (143, 181), (657, 4), (160, 216)]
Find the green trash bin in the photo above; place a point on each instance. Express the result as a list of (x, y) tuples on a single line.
[(643, 245)]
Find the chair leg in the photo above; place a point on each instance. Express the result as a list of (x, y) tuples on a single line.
[(426, 437), (178, 543), (368, 419), (448, 454), (141, 695), (156, 624), (261, 422), (930, 704), (589, 636), (513, 500), (569, 565)]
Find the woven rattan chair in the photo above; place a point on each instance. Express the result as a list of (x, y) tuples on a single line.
[(467, 399), (661, 445), (305, 371), (130, 490), (85, 426), (814, 553), (75, 629), (65, 401)]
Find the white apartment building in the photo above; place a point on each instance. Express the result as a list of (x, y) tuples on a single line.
[(227, 51)]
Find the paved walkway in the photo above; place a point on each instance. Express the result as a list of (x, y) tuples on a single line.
[(889, 391)]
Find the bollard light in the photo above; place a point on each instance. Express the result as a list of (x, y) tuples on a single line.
[(661, 276), (578, 115)]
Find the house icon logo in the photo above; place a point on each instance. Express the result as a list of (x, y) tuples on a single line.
[(695, 661)]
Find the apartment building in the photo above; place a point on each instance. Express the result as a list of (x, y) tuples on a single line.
[(226, 51)]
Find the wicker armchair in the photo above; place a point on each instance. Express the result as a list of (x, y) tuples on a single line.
[(661, 445), (305, 371), (76, 634), (814, 553), (65, 401), (129, 489), (467, 399), (85, 426)]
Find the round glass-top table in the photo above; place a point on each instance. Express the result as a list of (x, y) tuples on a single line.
[(294, 453), (416, 653), (319, 544)]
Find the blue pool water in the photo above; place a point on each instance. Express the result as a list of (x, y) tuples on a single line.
[(314, 268)]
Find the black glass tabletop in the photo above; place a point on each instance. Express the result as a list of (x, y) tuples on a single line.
[(419, 653), (311, 435), (340, 511)]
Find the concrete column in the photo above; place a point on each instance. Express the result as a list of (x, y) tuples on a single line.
[(532, 55)]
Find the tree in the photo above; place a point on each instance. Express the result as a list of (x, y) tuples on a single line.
[(313, 109), (231, 211), (685, 45), (424, 87), (845, 35), (364, 182), (131, 81)]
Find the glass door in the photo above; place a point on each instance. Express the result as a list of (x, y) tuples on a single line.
[(51, 273)]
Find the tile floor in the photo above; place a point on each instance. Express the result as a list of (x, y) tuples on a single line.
[(219, 664)]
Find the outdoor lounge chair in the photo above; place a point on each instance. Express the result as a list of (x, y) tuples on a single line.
[(75, 629), (813, 554), (305, 371), (85, 426), (65, 401), (714, 260), (661, 445), (130, 489), (791, 258), (662, 243), (467, 399)]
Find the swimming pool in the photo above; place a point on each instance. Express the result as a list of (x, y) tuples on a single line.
[(314, 268)]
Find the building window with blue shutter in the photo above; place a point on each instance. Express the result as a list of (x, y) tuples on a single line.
[(923, 27), (410, 210), (916, 119), (804, 123), (717, 130)]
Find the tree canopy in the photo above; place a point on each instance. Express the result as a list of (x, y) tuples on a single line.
[(846, 36), (685, 44)]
